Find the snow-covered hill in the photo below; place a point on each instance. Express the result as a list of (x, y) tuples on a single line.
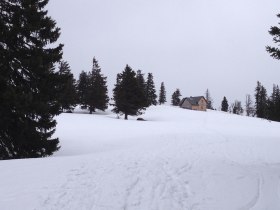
[(176, 160)]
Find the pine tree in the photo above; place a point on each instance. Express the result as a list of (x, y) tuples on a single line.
[(277, 103), (67, 88), (275, 32), (82, 88), (96, 93), (117, 95), (225, 105), (274, 104), (209, 100), (261, 101), (162, 94), (151, 91), (28, 83), (127, 95), (142, 87), (175, 100)]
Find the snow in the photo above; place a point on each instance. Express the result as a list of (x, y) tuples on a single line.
[(178, 159)]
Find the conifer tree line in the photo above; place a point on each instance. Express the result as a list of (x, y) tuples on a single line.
[(132, 94), (92, 89), (265, 106), (36, 84)]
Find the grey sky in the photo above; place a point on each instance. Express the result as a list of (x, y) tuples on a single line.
[(189, 44)]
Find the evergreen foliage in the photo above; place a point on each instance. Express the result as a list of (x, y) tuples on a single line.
[(274, 104), (28, 83), (175, 100), (209, 100), (96, 94), (128, 95), (67, 88), (117, 96), (151, 95), (142, 87), (275, 32), (225, 105), (261, 101), (162, 94), (82, 88), (267, 107)]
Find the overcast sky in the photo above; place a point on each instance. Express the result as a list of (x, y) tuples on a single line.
[(189, 44)]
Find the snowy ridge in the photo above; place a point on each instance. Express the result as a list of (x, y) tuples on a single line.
[(178, 159)]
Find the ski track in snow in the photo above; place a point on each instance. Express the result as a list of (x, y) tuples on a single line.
[(157, 187), (77, 187), (152, 183), (193, 161), (251, 204)]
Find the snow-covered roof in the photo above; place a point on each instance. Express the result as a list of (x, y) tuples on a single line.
[(192, 100)]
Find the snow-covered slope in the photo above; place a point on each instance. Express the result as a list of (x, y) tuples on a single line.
[(176, 160)]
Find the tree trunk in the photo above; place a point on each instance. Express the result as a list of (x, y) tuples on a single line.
[(125, 116)]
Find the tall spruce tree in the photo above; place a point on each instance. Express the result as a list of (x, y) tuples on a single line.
[(209, 100), (82, 88), (127, 95), (162, 94), (275, 32), (151, 95), (175, 100), (117, 95), (261, 101), (274, 104), (142, 87), (28, 82), (96, 93), (277, 103), (225, 105), (67, 88)]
